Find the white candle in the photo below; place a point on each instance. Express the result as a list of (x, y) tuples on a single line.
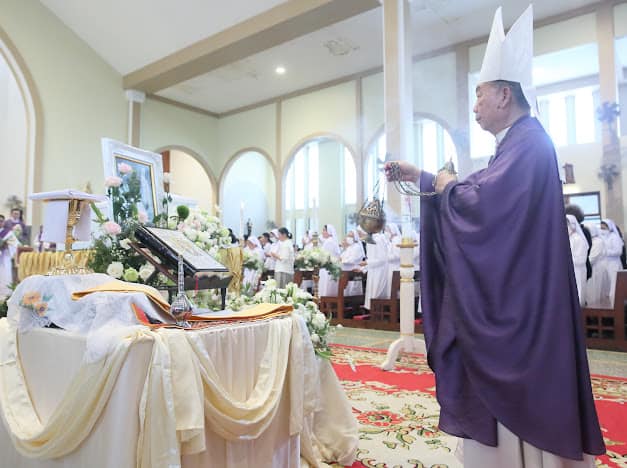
[(241, 219)]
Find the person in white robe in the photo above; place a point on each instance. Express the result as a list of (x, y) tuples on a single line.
[(613, 250), (266, 245), (579, 252), (378, 280), (598, 286), (351, 257), (8, 249), (327, 286), (251, 276), (284, 256), (307, 240)]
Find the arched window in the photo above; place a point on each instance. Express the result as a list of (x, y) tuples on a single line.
[(433, 146), (320, 187), (247, 192)]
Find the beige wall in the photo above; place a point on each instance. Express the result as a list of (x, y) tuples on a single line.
[(190, 180), (253, 129), (164, 125), (13, 155), (81, 96), (331, 111)]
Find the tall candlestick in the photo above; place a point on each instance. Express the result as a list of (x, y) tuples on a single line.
[(241, 219)]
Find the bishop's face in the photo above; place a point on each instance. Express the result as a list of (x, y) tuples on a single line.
[(488, 107)]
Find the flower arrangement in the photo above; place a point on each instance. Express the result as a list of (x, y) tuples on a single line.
[(252, 261), (318, 324), (113, 254), (318, 258), (205, 230)]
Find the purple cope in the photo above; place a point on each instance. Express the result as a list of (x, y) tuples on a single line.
[(502, 319)]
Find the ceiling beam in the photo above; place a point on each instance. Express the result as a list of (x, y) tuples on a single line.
[(273, 27)]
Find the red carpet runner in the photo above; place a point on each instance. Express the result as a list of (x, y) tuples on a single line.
[(398, 413)]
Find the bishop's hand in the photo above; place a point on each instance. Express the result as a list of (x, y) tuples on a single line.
[(401, 170)]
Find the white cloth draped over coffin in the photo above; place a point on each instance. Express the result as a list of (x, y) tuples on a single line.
[(236, 395)]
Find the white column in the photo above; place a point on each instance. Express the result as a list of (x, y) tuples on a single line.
[(135, 100), (399, 121)]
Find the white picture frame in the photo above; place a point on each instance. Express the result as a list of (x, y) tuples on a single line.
[(149, 167)]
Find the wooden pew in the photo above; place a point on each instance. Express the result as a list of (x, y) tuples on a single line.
[(339, 306), (607, 328)]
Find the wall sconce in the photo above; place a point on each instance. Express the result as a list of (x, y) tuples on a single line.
[(569, 173)]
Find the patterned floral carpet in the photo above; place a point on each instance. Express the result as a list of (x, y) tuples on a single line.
[(398, 412)]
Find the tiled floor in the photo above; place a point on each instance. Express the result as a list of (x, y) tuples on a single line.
[(601, 362)]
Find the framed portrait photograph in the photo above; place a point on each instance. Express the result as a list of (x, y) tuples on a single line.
[(120, 159)]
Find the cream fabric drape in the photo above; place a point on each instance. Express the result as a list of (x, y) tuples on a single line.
[(234, 396), (73, 419)]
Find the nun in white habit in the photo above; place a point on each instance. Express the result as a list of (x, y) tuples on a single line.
[(351, 257), (613, 250), (598, 286), (327, 286), (378, 281), (579, 252), (251, 277)]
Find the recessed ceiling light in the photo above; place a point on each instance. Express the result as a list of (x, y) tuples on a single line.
[(280, 70)]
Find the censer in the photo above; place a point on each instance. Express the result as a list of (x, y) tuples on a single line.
[(372, 216)]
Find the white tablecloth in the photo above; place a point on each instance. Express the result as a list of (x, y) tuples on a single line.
[(50, 358)]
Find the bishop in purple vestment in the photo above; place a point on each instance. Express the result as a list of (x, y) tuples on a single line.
[(501, 313)]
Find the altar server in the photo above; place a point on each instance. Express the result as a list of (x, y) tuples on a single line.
[(351, 257), (579, 253), (598, 287), (327, 286), (378, 280), (613, 250), (502, 319)]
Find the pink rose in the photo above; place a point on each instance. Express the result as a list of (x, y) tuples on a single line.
[(124, 168), (142, 216), (113, 181), (112, 228)]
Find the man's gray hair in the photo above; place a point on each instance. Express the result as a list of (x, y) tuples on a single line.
[(517, 92)]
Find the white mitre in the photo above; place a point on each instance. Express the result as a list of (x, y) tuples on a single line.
[(510, 57)]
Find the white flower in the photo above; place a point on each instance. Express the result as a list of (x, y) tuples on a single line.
[(167, 178), (116, 269), (318, 320), (271, 284), (339, 325), (113, 181), (125, 244), (190, 233), (142, 217), (204, 236), (146, 271), (315, 339)]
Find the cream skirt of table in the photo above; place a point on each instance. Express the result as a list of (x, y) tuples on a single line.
[(512, 452)]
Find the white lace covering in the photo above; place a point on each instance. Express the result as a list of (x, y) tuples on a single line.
[(103, 317)]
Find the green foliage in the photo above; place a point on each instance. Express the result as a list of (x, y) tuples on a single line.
[(183, 212)]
